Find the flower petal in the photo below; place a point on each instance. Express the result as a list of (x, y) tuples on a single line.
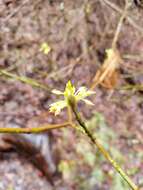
[(88, 102), (45, 48), (57, 107), (57, 92), (69, 90), (83, 92), (90, 92)]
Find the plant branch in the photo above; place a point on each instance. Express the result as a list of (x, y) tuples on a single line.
[(120, 23), (129, 19), (24, 79), (102, 150), (136, 87), (39, 129)]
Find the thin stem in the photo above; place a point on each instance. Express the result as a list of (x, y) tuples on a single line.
[(119, 26), (24, 79), (103, 151), (136, 87), (69, 114), (129, 19), (39, 129)]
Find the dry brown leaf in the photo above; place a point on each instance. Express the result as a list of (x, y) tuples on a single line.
[(107, 76)]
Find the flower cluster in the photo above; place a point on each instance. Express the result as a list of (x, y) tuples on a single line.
[(70, 93)]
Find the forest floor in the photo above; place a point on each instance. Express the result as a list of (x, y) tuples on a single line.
[(78, 33)]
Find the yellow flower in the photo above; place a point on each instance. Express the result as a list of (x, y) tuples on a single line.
[(45, 48), (70, 94)]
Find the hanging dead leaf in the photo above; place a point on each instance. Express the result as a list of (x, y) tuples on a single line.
[(107, 76)]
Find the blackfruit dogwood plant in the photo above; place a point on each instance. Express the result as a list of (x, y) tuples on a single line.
[(71, 99)]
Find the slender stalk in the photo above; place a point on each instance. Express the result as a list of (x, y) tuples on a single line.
[(120, 11), (39, 129), (102, 150), (136, 87), (24, 79), (69, 115), (120, 23)]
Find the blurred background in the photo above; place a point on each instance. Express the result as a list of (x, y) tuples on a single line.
[(51, 42)]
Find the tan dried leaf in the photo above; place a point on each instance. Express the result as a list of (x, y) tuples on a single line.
[(107, 76)]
